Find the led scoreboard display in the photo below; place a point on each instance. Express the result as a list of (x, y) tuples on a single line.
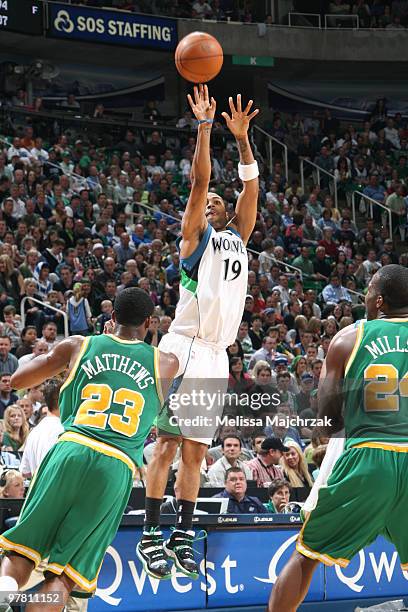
[(24, 16)]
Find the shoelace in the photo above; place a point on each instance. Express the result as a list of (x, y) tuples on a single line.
[(155, 550), (187, 542)]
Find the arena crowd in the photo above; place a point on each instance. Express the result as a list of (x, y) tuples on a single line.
[(80, 221)]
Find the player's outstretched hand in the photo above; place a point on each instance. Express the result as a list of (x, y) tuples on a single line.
[(238, 123), (109, 327), (202, 106)]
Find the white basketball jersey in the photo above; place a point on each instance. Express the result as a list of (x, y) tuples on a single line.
[(213, 288)]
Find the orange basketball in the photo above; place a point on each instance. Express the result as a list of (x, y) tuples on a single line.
[(199, 57)]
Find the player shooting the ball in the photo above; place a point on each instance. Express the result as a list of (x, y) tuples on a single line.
[(214, 277)]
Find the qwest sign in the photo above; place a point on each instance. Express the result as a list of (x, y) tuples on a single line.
[(240, 568), (114, 27)]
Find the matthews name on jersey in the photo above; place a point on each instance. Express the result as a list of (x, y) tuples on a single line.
[(213, 288), (113, 393), (376, 385)]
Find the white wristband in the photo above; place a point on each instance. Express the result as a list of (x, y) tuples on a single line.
[(248, 172)]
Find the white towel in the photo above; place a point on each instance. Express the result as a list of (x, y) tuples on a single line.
[(335, 448)]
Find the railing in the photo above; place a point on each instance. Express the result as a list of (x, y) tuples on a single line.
[(330, 21), (76, 176), (306, 18), (318, 170), (152, 209), (271, 140), (360, 295), (280, 263), (371, 203), (64, 314)]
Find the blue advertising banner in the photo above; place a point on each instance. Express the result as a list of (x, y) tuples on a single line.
[(114, 27), (244, 564), (124, 585), (374, 572), (239, 568)]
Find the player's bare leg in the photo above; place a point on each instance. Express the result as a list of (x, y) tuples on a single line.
[(188, 475), (52, 585), (158, 468), (150, 549), (292, 585), (179, 546), (17, 568)]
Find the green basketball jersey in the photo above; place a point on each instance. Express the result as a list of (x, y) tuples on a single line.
[(376, 384), (113, 393)]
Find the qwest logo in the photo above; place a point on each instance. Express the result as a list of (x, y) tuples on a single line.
[(229, 576), (380, 565), (63, 22), (178, 580)]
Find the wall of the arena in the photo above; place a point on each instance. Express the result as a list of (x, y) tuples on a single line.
[(306, 43)]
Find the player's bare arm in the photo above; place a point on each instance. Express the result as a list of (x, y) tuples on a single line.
[(330, 392), (41, 368), (246, 209), (194, 222), (168, 365)]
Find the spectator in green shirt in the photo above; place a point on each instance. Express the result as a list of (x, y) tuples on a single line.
[(278, 495), (402, 168), (303, 262), (396, 203)]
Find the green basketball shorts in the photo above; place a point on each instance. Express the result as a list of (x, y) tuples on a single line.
[(73, 509), (366, 496)]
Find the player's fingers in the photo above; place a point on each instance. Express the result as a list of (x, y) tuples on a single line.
[(226, 117), (231, 105), (252, 115), (248, 106), (195, 92), (239, 103), (213, 104), (190, 100), (206, 94)]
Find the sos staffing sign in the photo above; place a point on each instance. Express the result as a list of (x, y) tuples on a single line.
[(114, 27)]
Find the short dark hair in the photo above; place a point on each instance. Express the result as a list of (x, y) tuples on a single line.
[(132, 307), (3, 374), (9, 310), (257, 434), (50, 323), (26, 328), (234, 436), (51, 393), (234, 470), (392, 284), (276, 484)]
